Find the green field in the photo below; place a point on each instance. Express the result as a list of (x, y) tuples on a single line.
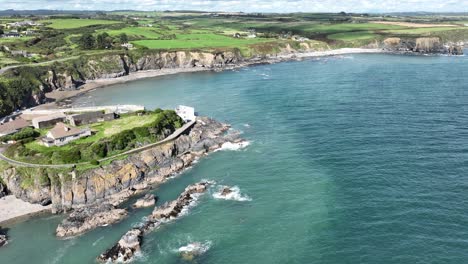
[(349, 36), (135, 32), (76, 23), (419, 31), (186, 41)]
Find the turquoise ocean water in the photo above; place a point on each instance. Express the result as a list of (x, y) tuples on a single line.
[(352, 159)]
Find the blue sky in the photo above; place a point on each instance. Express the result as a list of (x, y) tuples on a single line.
[(245, 5)]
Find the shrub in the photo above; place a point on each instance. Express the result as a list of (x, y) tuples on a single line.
[(94, 162)]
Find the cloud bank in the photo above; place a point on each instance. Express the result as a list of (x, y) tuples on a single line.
[(244, 5)]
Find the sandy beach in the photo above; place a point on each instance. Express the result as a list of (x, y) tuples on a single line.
[(12, 208)]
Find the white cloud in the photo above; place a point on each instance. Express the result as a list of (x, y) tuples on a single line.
[(245, 5)]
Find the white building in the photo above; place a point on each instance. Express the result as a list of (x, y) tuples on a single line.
[(187, 113), (62, 134)]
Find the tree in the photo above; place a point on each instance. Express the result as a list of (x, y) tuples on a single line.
[(87, 41), (123, 38), (103, 41), (1, 31)]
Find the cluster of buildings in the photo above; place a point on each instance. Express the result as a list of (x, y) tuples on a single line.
[(63, 128), (15, 33)]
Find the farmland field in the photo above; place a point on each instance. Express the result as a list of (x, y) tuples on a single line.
[(359, 35), (138, 32), (185, 41), (76, 23)]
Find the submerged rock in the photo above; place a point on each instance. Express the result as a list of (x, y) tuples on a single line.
[(147, 201), (3, 240), (88, 218), (130, 243)]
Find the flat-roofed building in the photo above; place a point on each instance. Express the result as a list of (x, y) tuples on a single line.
[(48, 121), (90, 117), (187, 113)]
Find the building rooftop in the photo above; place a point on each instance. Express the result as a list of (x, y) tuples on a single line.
[(13, 126), (61, 131), (49, 117)]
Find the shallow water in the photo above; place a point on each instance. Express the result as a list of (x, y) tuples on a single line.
[(353, 159)]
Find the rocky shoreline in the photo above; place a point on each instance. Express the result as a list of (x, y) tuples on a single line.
[(116, 182), (130, 243)]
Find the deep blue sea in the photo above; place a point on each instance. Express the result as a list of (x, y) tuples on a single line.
[(352, 159)]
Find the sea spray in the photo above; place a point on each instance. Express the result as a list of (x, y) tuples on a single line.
[(231, 193)]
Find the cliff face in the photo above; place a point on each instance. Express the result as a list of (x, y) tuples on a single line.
[(432, 45), (71, 74), (121, 178), (113, 66)]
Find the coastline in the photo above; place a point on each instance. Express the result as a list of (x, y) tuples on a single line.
[(14, 209), (57, 96)]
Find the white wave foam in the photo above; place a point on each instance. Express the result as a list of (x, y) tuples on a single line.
[(234, 146), (196, 248), (234, 195)]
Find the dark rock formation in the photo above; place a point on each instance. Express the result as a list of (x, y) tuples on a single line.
[(125, 249), (3, 237), (122, 178), (226, 191), (3, 190), (88, 218), (130, 243), (147, 201), (3, 240)]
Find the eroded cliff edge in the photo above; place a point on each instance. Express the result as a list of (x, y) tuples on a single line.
[(27, 86), (68, 188)]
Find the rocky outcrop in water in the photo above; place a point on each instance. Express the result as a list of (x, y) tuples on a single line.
[(121, 179), (88, 218), (3, 240), (130, 243), (147, 201), (226, 191)]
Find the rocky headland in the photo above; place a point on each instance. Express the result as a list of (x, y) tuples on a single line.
[(88, 218), (130, 243)]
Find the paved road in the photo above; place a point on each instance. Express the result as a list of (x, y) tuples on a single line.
[(173, 136)]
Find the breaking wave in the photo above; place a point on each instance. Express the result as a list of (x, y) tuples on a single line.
[(234, 195), (234, 146)]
